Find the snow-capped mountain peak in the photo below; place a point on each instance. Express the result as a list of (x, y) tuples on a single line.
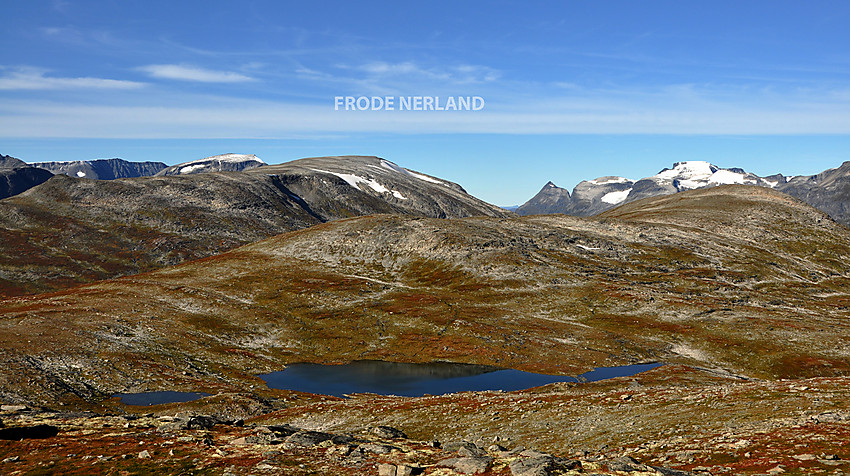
[(689, 170), (229, 158), (698, 174), (609, 180)]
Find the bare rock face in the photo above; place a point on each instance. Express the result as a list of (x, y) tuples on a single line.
[(593, 196), (102, 169), (216, 163), (828, 191)]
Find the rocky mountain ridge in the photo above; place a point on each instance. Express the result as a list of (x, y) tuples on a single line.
[(828, 191), (216, 163), (9, 162), (102, 169), (69, 230)]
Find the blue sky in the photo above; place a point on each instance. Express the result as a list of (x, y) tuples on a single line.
[(573, 90)]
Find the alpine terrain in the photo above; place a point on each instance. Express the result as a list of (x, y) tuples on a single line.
[(828, 191), (72, 230), (742, 292)]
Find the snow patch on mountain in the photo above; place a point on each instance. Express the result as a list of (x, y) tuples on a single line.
[(227, 158), (698, 174), (690, 170), (616, 197), (727, 177), (356, 180), (395, 168), (191, 168), (608, 180)]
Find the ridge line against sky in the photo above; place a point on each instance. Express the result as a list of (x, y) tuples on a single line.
[(654, 82)]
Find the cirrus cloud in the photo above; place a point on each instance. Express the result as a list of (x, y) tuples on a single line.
[(181, 72), (29, 78)]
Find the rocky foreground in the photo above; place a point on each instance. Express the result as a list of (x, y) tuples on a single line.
[(672, 420), (198, 444)]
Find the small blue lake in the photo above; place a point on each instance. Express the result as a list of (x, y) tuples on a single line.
[(415, 380), (158, 398)]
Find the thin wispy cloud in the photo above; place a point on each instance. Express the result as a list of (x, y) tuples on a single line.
[(192, 73), (28, 78), (636, 114), (60, 5), (461, 74), (394, 78)]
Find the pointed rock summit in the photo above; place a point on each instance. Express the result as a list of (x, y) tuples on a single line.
[(550, 197)]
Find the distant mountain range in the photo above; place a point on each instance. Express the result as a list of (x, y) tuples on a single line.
[(111, 169), (102, 169), (828, 191), (17, 176)]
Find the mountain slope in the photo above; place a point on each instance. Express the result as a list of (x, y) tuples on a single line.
[(102, 169), (21, 179), (16, 177), (70, 231), (351, 181), (759, 287), (216, 163), (828, 191)]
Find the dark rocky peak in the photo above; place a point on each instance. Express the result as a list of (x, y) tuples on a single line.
[(14, 181), (9, 162), (550, 199)]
